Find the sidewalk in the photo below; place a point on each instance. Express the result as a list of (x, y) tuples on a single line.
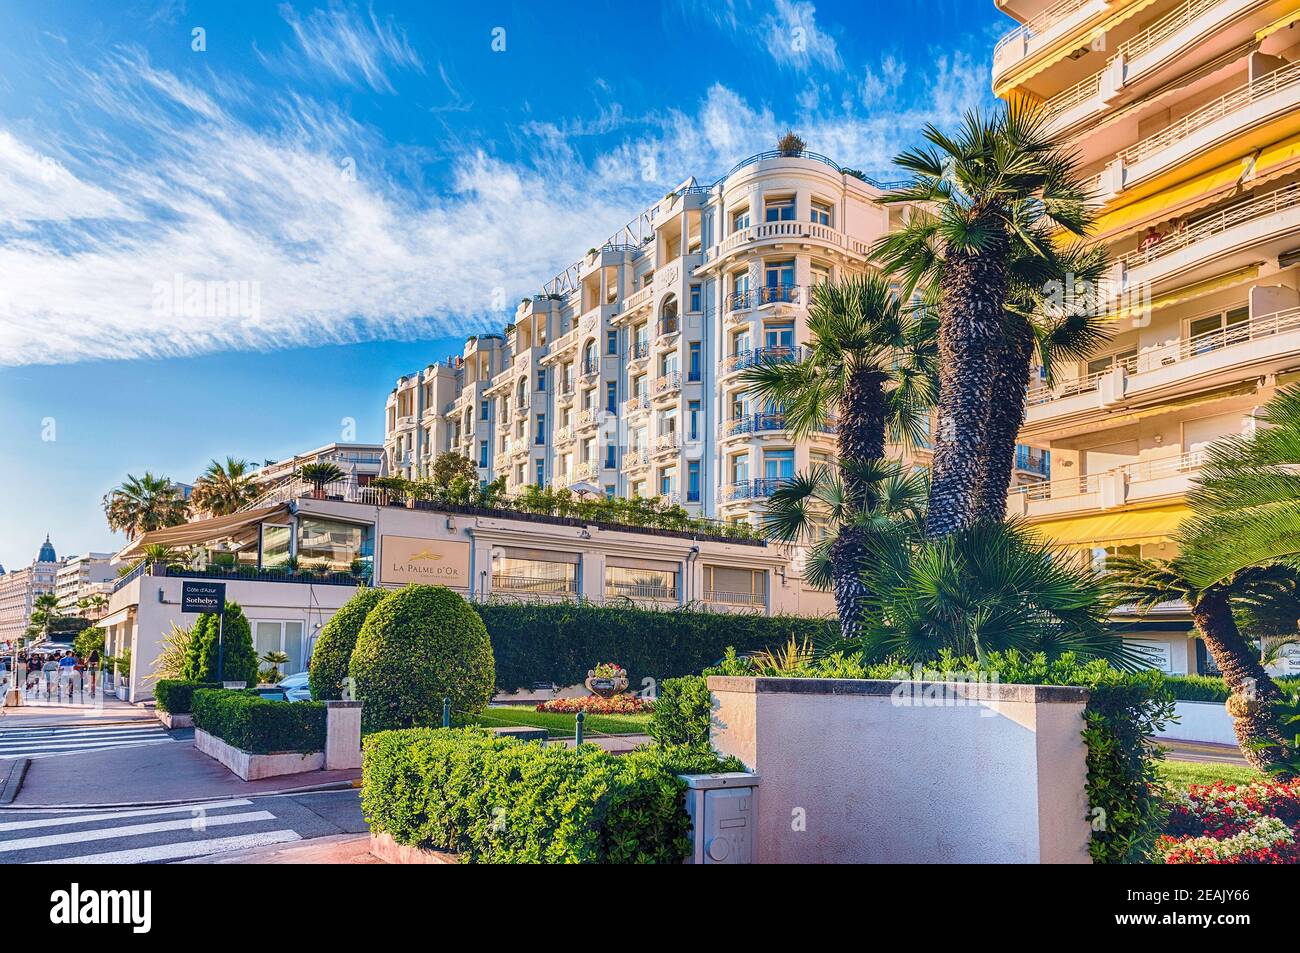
[(338, 849), (37, 712)]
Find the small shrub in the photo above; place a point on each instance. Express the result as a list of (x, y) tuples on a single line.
[(329, 659), (251, 723), (498, 800), (682, 711), (176, 697), (418, 646)]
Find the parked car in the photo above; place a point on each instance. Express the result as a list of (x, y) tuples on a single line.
[(291, 688)]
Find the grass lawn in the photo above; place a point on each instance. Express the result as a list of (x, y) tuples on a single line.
[(1180, 774), (560, 725)]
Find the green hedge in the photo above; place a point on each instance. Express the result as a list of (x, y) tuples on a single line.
[(176, 697), (501, 801), (1211, 688), (246, 721), (560, 641), (329, 659)]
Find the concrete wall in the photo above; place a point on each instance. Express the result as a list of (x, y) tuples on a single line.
[(912, 772), (1201, 721)]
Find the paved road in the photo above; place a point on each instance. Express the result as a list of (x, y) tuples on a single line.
[(174, 832), (54, 740)]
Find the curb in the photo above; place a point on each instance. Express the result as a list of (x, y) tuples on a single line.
[(13, 780), (306, 789)]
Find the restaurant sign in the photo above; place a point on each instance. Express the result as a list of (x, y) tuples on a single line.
[(438, 562)]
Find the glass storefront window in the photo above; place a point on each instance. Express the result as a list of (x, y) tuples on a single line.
[(275, 545), (334, 543)]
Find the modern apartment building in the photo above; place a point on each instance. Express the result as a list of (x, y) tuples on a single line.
[(20, 587), (364, 461), (1185, 115), (622, 375), (83, 577)]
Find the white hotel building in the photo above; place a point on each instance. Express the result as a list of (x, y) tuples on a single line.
[(622, 373)]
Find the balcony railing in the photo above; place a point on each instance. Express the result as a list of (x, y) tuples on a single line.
[(513, 582), (756, 489), (769, 294), (635, 459), (638, 298), (639, 351), (668, 326), (563, 435), (1068, 98), (753, 423), (585, 418), (1226, 104), (1183, 349), (668, 441), (1166, 26), (638, 403), (590, 369), (1091, 482), (1271, 203), (672, 381), (761, 355), (723, 597), (1040, 24), (631, 590)]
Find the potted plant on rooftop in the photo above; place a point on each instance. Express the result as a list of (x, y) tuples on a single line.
[(790, 144), (319, 474)]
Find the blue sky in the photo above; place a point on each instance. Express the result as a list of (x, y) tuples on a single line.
[(372, 182)]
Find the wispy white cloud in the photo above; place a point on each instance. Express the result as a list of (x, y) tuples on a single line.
[(794, 39), (311, 208), (348, 46)]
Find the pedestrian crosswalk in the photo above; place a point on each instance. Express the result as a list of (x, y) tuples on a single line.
[(140, 835), (49, 741)]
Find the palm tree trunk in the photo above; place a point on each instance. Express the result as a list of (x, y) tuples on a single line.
[(1243, 675), (860, 437), (1006, 414), (973, 293)]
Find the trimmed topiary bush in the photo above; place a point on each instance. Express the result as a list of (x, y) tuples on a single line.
[(418, 646), (333, 651), (239, 655), (176, 697)]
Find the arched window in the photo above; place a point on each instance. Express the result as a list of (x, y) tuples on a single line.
[(521, 393), (589, 358)]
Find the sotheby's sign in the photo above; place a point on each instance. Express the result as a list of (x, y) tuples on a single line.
[(203, 596), (439, 562)]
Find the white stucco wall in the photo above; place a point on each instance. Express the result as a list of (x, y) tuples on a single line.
[(853, 773), (1201, 721)]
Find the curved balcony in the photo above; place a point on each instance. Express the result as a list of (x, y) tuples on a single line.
[(758, 489), (585, 420), (667, 386), (637, 352), (668, 326), (757, 297), (637, 404), (752, 423), (667, 443), (743, 360), (1041, 32), (636, 460), (563, 436), (590, 370)]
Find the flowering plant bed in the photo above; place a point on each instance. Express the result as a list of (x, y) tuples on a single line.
[(595, 705), (1226, 823)]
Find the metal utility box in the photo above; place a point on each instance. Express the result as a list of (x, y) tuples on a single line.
[(722, 809)]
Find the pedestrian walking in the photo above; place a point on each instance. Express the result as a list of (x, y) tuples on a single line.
[(67, 673), (51, 672), (92, 667)]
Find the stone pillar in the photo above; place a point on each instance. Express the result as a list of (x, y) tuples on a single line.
[(342, 735)]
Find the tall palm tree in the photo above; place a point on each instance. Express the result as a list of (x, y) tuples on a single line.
[(996, 192), (1052, 314), (224, 487), (1147, 583), (870, 373), (144, 503)]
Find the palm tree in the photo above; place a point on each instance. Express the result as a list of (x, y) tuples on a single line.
[(144, 503), (319, 474), (997, 191), (993, 587), (45, 609), (224, 487), (1146, 583), (817, 510), (869, 372)]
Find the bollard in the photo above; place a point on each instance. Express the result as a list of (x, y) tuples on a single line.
[(577, 734), (446, 713)]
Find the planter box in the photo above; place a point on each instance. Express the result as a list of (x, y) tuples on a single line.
[(170, 721), (859, 771), (1201, 721), (390, 852), (251, 766)]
